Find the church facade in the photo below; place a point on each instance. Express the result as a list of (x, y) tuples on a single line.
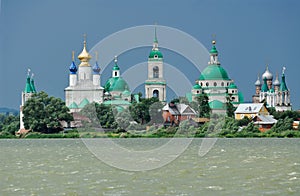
[(275, 94), (216, 84), (84, 83)]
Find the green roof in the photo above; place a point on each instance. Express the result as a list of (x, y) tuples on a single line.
[(28, 87), (213, 50), (154, 83), (126, 93), (155, 52), (83, 103), (32, 86), (116, 84), (214, 72), (232, 86), (283, 86), (196, 86), (116, 67), (264, 87), (217, 105), (73, 106)]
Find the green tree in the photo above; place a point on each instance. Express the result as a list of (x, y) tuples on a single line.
[(9, 124), (229, 108), (283, 125), (204, 109), (99, 114), (140, 111), (43, 113)]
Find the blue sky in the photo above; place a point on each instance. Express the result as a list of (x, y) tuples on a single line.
[(250, 34)]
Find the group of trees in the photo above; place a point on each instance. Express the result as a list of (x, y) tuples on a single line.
[(8, 125), (44, 114)]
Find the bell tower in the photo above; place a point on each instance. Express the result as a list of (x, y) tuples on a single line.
[(155, 85)]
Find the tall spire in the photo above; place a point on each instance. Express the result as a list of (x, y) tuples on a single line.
[(84, 56), (28, 88), (32, 84), (155, 41), (283, 86)]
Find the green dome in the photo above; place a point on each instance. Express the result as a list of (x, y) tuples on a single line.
[(126, 93), (213, 50), (116, 67), (155, 52), (214, 72), (116, 84), (232, 86), (196, 86)]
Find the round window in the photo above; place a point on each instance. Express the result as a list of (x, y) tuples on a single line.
[(155, 56)]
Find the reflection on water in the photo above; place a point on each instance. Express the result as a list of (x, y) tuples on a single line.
[(232, 167)]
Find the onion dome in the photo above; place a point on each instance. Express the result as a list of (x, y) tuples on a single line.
[(84, 56), (264, 86), (276, 82), (258, 83), (73, 68), (232, 86), (283, 86), (268, 75), (96, 68), (196, 86)]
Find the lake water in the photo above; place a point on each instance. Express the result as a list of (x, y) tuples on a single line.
[(231, 167)]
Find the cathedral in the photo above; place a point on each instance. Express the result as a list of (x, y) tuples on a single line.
[(275, 94), (85, 82), (216, 84)]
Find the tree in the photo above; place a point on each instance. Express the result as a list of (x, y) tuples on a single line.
[(140, 111), (204, 109), (43, 113), (9, 123), (229, 108), (99, 113)]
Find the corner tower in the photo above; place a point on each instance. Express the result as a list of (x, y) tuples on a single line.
[(155, 85)]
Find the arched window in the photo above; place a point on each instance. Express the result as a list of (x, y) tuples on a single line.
[(155, 93), (155, 72), (215, 84)]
